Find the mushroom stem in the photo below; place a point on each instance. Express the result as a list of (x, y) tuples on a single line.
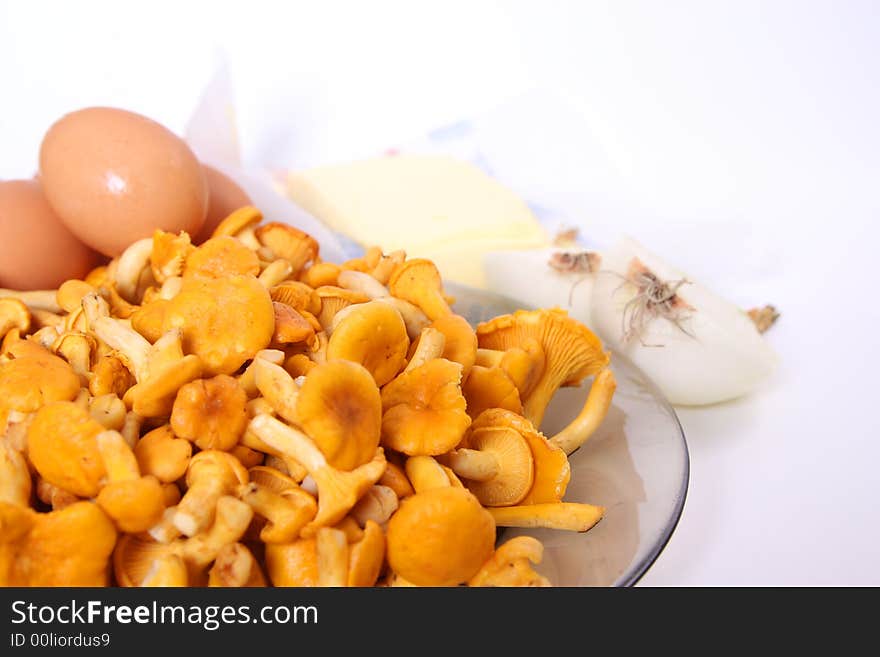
[(560, 515), (34, 299), (232, 520), (288, 441), (430, 346), (287, 512), (425, 473), (131, 263), (332, 554), (126, 340), (247, 379), (338, 491), (94, 306), (474, 465), (119, 460), (357, 281), (277, 386), (171, 287), (591, 415), (276, 272)]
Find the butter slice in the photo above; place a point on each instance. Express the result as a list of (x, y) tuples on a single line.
[(433, 207)]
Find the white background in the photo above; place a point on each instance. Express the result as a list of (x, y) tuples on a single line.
[(738, 139)]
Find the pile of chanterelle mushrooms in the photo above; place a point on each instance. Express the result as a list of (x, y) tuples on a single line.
[(241, 412)]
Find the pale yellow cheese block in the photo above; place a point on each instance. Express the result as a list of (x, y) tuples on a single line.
[(432, 206)]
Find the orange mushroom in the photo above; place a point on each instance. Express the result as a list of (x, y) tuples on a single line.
[(424, 410), (571, 350), (209, 311), (220, 257), (440, 537), (511, 565), (62, 446), (211, 474), (490, 387), (133, 502), (161, 454), (291, 244), (298, 296), (338, 490), (169, 254), (552, 470), (497, 464), (294, 563), (340, 408), (570, 516), (70, 547), (211, 413), (33, 378), (333, 299), (418, 282), (461, 341), (367, 556)]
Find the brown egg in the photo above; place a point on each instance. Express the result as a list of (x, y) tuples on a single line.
[(224, 198), (37, 251), (114, 177)]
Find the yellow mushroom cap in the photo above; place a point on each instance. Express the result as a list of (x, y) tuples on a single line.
[(373, 335), (440, 537), (461, 340), (418, 281), (212, 413), (62, 447), (425, 410), (69, 547), (225, 321), (340, 408), (221, 256), (34, 377), (571, 350), (490, 387), (135, 505), (291, 244), (516, 467)]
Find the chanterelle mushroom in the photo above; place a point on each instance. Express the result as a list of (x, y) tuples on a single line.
[(490, 387), (221, 256), (424, 409), (511, 565), (418, 282), (340, 408), (338, 490), (440, 537), (62, 446), (571, 350), (552, 471), (498, 465), (225, 321), (374, 335), (212, 413), (32, 378), (70, 547)]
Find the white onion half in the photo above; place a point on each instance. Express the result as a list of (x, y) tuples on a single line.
[(718, 356), (526, 276)]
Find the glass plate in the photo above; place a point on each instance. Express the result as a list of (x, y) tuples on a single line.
[(636, 466)]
